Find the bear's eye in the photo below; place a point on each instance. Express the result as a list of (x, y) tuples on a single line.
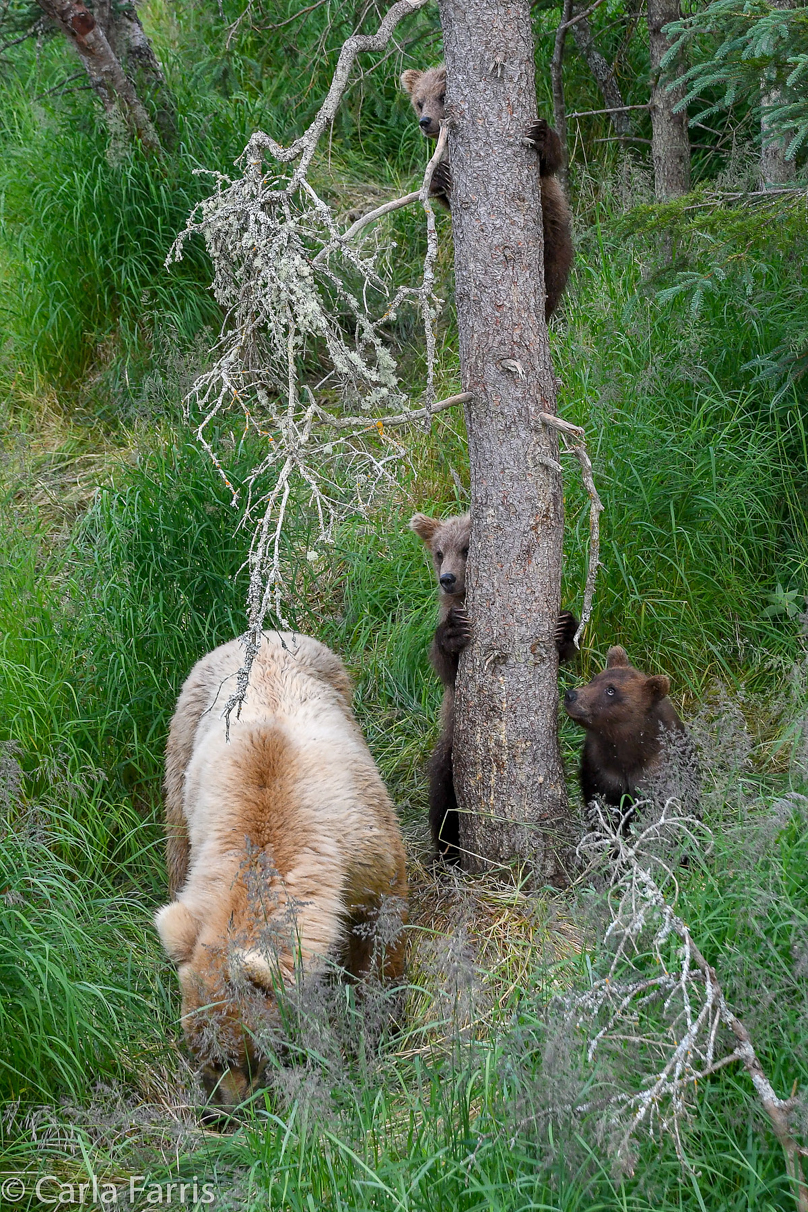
[(442, 98), (419, 105), (438, 555), (610, 690), (465, 551)]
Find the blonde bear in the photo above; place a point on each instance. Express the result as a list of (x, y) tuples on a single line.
[(282, 845)]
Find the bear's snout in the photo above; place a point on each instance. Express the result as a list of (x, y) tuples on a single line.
[(570, 697), (425, 122), (448, 581)]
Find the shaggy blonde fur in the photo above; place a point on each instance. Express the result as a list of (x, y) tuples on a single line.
[(280, 842)]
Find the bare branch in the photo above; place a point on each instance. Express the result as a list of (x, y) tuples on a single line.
[(557, 78), (692, 1000), (575, 441), (385, 209), (304, 147), (614, 109)]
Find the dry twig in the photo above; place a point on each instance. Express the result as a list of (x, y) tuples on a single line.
[(684, 986)]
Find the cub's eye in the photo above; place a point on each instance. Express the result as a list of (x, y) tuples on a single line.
[(465, 551), (610, 690), (442, 98), (438, 555), (419, 105)]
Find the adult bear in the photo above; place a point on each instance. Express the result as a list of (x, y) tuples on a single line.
[(282, 847), (427, 91)]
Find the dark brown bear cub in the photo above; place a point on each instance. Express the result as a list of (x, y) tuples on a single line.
[(427, 92), (636, 746), (448, 541)]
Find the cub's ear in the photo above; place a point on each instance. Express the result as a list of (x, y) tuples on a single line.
[(254, 966), (658, 686), (616, 657), (178, 930), (409, 79), (423, 526)]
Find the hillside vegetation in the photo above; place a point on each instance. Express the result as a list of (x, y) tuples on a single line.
[(680, 347)]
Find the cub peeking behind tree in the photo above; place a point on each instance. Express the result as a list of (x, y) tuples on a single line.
[(427, 91), (636, 746), (448, 542), (282, 849)]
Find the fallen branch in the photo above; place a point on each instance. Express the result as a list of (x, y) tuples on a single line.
[(687, 988)]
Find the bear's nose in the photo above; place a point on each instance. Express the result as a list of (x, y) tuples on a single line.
[(448, 581), (570, 696), (425, 121)]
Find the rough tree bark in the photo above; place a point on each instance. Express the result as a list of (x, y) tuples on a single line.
[(508, 773), (774, 168), (670, 144), (604, 77), (107, 76)]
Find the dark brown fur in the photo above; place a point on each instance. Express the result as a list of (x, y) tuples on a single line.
[(427, 91), (448, 542), (636, 746)]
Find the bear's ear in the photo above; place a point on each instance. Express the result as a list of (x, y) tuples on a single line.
[(658, 686), (616, 658), (178, 930), (254, 966), (409, 79), (424, 527)]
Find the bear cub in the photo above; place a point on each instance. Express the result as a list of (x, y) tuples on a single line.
[(427, 91), (448, 542), (636, 746)]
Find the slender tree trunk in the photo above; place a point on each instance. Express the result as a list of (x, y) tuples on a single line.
[(508, 773), (670, 144), (774, 168), (604, 76), (557, 78), (103, 66)]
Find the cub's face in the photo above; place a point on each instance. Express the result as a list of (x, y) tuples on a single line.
[(448, 541), (618, 704), (427, 92)]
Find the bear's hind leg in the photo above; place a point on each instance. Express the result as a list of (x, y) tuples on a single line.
[(444, 821)]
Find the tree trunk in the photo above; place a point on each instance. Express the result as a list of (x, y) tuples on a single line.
[(103, 66), (604, 76), (774, 168), (508, 774), (670, 144)]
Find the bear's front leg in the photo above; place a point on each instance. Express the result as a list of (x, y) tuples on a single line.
[(441, 186), (451, 637), (547, 143)]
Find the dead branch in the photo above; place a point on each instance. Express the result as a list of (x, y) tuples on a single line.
[(557, 79), (385, 209), (693, 1002), (580, 16), (402, 418), (614, 109), (305, 147), (574, 440)]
